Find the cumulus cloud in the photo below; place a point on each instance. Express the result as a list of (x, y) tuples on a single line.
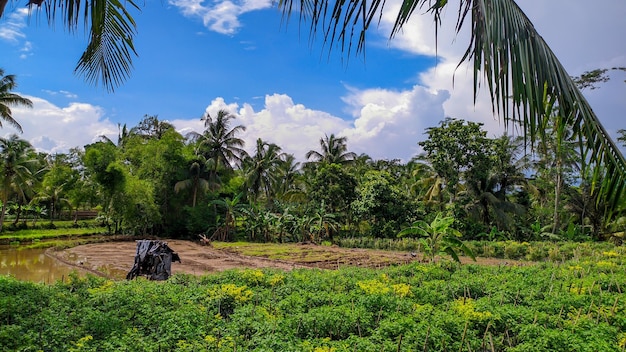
[(590, 44), (55, 129), (220, 16), (385, 123), (388, 123)]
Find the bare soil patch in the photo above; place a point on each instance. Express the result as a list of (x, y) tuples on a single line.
[(115, 259)]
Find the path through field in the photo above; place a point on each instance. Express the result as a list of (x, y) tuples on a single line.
[(115, 259)]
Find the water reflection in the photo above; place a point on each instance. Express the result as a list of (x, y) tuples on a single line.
[(31, 265)]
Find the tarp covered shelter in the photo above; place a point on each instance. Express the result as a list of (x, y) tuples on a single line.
[(154, 260)]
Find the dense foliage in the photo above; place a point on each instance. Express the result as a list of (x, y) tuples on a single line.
[(575, 306), (154, 181)]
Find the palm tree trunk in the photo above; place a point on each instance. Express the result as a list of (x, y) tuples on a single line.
[(195, 193), (18, 213), (557, 198), (4, 208), (5, 197)]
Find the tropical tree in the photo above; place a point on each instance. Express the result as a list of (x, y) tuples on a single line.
[(123, 135), (261, 169), (195, 182), (439, 237), (428, 186), (557, 156), (16, 175), (158, 154), (219, 142), (231, 208), (7, 98), (505, 48), (289, 173), (333, 188), (333, 150), (322, 224), (53, 195), (151, 127), (382, 204), (457, 150), (101, 160)]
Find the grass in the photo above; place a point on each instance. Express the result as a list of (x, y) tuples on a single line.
[(274, 251), (31, 235), (305, 254)]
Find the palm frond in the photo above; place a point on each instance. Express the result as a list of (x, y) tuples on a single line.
[(519, 67), (507, 54), (107, 60)]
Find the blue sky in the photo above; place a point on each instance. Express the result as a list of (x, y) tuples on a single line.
[(197, 56)]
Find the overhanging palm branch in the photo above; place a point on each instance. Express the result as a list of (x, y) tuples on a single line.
[(108, 58), (512, 58), (8, 98)]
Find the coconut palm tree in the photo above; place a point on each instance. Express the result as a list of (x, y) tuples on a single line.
[(288, 171), (505, 48), (219, 142), (334, 150), (55, 196), (7, 99), (195, 182), (16, 175), (428, 185), (261, 169), (232, 207)]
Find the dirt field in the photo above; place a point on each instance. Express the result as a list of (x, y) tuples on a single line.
[(115, 259)]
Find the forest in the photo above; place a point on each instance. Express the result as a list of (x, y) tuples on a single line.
[(154, 181)]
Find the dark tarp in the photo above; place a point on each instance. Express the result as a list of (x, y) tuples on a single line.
[(154, 260)]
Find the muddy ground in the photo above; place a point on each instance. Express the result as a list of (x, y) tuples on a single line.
[(115, 259)]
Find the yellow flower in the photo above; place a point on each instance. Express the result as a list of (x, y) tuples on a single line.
[(106, 287), (276, 280), (606, 264), (401, 290), (324, 349), (621, 338), (373, 287), (237, 293), (466, 307), (255, 276)]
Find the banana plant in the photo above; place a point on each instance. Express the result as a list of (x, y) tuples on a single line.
[(439, 237)]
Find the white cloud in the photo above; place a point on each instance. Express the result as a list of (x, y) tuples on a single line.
[(580, 41), (220, 16), (386, 124), (64, 93), (26, 50), (11, 29), (54, 129)]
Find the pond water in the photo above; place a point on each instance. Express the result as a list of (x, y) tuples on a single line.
[(31, 265)]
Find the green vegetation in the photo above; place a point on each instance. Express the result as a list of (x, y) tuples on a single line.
[(29, 235), (153, 181), (528, 251), (64, 231), (574, 306)]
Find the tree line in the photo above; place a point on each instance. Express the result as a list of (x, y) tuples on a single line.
[(154, 181)]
